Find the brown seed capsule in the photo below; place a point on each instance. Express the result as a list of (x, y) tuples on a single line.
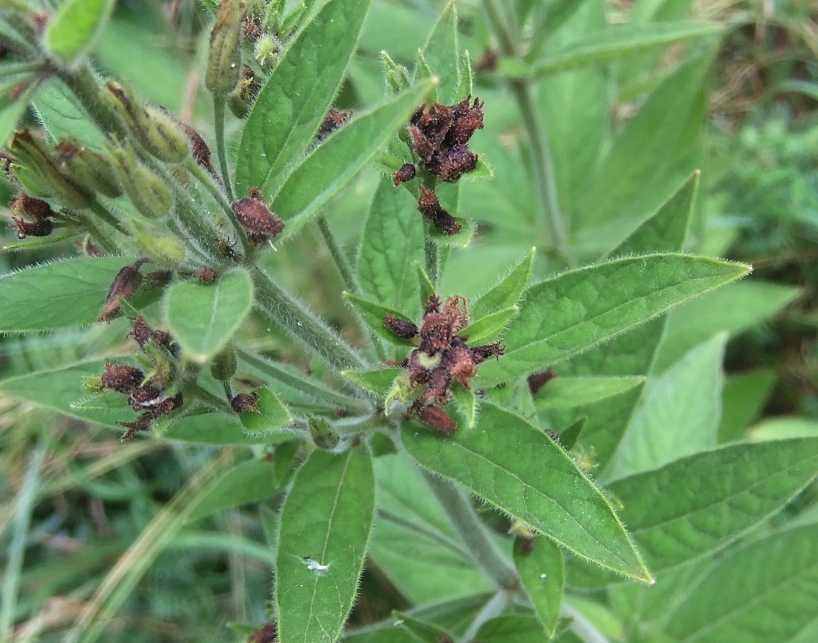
[(30, 207), (199, 149), (402, 328), (124, 285), (256, 218), (244, 402), (39, 228), (429, 206), (538, 380), (121, 378), (437, 418), (406, 173)]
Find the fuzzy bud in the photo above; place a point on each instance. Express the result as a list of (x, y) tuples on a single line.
[(224, 58), (256, 218), (88, 168), (223, 366), (147, 192), (162, 249), (324, 436)]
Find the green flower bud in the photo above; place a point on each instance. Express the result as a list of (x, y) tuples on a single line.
[(241, 99), (87, 168), (397, 76), (324, 436), (224, 59), (147, 192), (42, 173), (162, 250), (266, 50), (156, 130), (223, 366)]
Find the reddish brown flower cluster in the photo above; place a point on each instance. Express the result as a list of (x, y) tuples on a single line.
[(35, 216), (440, 136), (256, 218), (152, 395), (442, 358)]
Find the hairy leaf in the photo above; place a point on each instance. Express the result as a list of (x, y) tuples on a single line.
[(516, 467), (487, 329), (571, 312), (743, 397), (507, 292), (441, 52), (203, 318), (373, 314), (290, 107), (570, 392), (72, 30), (542, 573), (378, 381), (247, 482), (323, 534)]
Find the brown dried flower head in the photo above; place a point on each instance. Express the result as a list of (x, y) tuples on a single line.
[(38, 228), (430, 207), (124, 285), (244, 402), (256, 218), (334, 119)]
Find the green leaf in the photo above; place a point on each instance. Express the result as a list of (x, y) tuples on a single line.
[(732, 309), (333, 164), (519, 628), (12, 110), (57, 295), (272, 414), (325, 525), (203, 318), (507, 292), (727, 492), (513, 465), (377, 380), (571, 392), (291, 105), (488, 328), (73, 30), (392, 241), (425, 285), (633, 352), (441, 52), (613, 44), (217, 428), (762, 592), (467, 403), (373, 314), (743, 397), (247, 482), (679, 414), (421, 631), (783, 427), (571, 312), (62, 115), (413, 542), (542, 573)]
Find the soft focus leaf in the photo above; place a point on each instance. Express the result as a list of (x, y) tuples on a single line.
[(570, 392), (542, 573), (72, 31), (488, 328), (378, 381), (247, 482), (272, 414), (441, 52)]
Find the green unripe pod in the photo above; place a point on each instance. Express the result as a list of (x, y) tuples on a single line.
[(223, 366), (147, 192), (88, 168), (224, 58), (162, 250)]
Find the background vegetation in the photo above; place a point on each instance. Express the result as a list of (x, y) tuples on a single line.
[(740, 106)]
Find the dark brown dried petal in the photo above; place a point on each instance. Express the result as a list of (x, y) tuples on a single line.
[(39, 228), (459, 361), (466, 121), (168, 405), (437, 418), (142, 423), (144, 397), (266, 634), (121, 378), (538, 380), (429, 206), (124, 285), (244, 402), (141, 332), (256, 218), (206, 275), (334, 119), (406, 173), (402, 328), (527, 545), (440, 382), (199, 148), (454, 163), (482, 353), (250, 29), (30, 207)]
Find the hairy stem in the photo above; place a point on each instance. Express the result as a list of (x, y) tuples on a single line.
[(105, 214), (296, 320), (430, 251), (496, 606), (105, 242), (581, 626), (472, 531), (543, 168), (218, 114)]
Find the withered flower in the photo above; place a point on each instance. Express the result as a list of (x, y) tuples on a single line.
[(124, 285), (268, 633), (437, 418), (538, 380), (256, 218), (402, 328), (199, 149), (38, 228), (30, 207), (334, 119), (205, 276), (121, 378), (244, 402), (406, 173), (429, 206)]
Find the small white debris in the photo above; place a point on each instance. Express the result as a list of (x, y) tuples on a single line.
[(315, 566), (543, 576)]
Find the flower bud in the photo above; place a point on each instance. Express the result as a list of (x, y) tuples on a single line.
[(224, 59), (324, 436), (157, 131), (241, 99), (42, 171), (163, 250), (397, 77), (147, 192), (223, 366), (87, 168)]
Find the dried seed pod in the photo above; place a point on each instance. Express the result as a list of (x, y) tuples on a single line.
[(256, 218), (402, 328), (482, 353), (30, 207), (121, 378), (124, 285), (39, 228), (334, 119), (437, 418), (538, 380), (429, 206), (199, 148), (406, 173), (142, 423), (245, 402), (224, 56)]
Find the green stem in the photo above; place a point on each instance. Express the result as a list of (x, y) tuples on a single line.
[(22, 513), (297, 321), (205, 178), (581, 626), (107, 216), (542, 165), (218, 113), (430, 251), (102, 238), (472, 531), (495, 607)]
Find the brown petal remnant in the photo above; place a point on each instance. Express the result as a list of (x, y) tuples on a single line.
[(199, 149), (244, 402), (429, 206), (538, 380), (268, 633), (121, 378), (402, 328), (124, 285), (437, 418), (205, 276), (256, 218), (38, 228), (30, 207), (406, 173), (334, 119)]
